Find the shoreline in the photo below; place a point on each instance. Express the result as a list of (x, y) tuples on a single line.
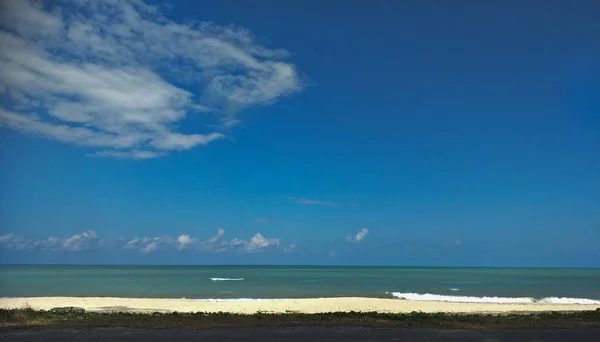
[(304, 305)]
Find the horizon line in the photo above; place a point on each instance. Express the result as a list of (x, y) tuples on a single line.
[(301, 265)]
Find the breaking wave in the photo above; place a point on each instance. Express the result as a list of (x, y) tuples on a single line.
[(226, 279), (499, 300)]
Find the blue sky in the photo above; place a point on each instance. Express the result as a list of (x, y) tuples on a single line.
[(295, 132)]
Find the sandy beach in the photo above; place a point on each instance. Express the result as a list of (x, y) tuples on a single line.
[(311, 305)]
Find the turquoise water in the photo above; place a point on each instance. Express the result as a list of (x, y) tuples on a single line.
[(230, 282)]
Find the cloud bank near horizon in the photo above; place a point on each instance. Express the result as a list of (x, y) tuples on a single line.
[(148, 244), (90, 240)]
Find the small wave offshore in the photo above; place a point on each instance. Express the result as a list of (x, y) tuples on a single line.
[(226, 279), (498, 300)]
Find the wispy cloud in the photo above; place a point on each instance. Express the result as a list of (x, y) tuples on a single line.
[(290, 248), (120, 77), (332, 253), (6, 238), (132, 244), (151, 246), (219, 244), (453, 243), (133, 154), (147, 244), (361, 235), (214, 239), (311, 201)]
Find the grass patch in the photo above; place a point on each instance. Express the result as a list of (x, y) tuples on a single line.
[(28, 318)]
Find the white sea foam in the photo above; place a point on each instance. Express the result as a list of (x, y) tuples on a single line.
[(226, 279), (566, 300), (453, 289), (499, 300)]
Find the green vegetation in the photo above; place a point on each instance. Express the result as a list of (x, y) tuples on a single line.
[(28, 318)]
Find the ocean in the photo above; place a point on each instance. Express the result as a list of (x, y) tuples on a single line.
[(494, 285)]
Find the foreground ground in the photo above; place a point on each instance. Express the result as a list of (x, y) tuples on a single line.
[(303, 334), (22, 319)]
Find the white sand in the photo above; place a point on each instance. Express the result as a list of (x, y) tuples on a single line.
[(312, 305)]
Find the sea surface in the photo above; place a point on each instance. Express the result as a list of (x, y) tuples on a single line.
[(495, 285)]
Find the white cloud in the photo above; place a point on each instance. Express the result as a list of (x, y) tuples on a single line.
[(258, 242), (361, 235), (186, 241), (110, 75), (290, 248), (76, 242), (310, 201), (332, 253)]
